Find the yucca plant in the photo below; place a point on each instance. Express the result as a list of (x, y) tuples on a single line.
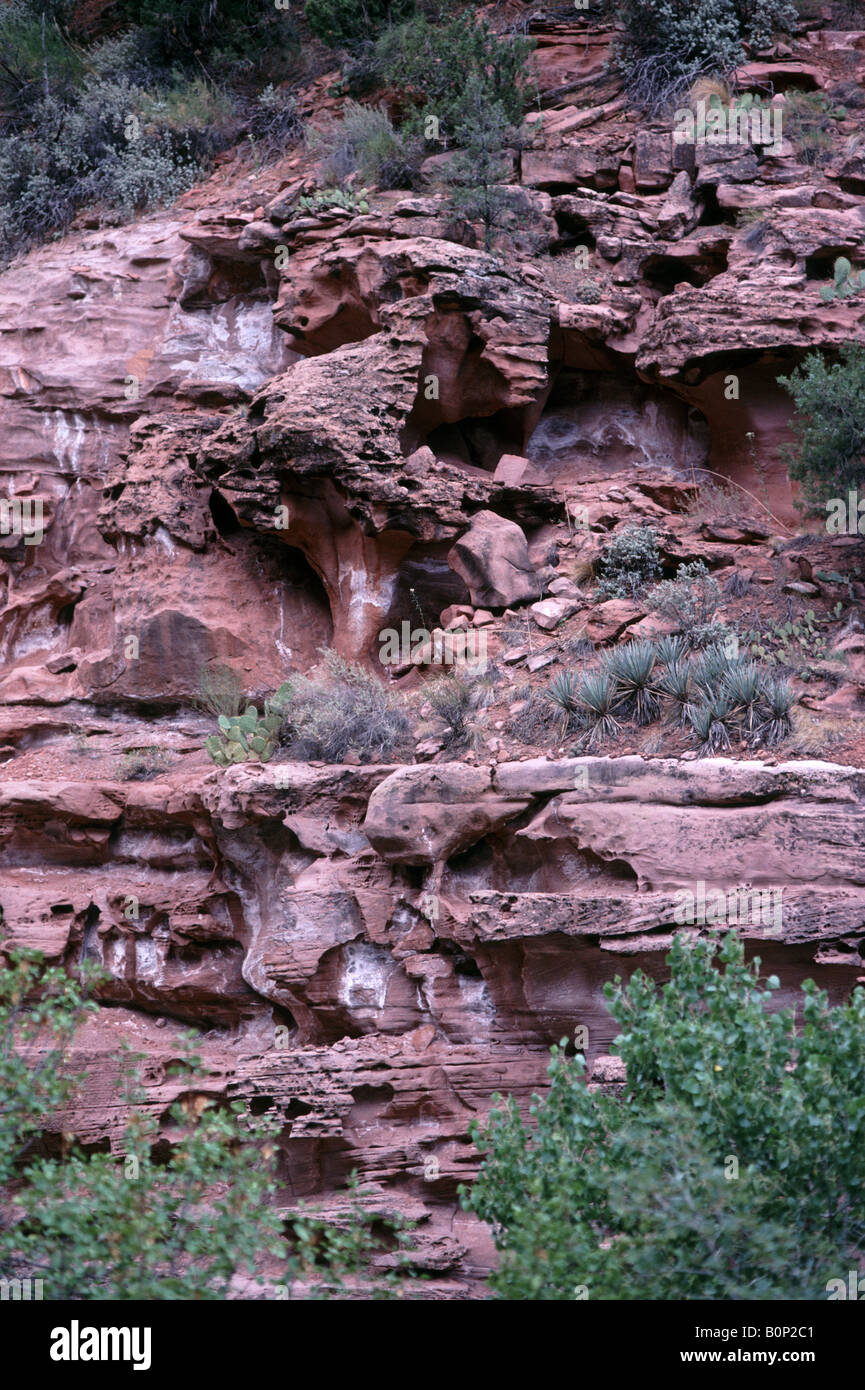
[(632, 668), (562, 692), (711, 668), (744, 686), (671, 650), (596, 699), (677, 692), (713, 723), (775, 712)]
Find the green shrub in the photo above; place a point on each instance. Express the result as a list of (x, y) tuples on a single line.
[(346, 23), (629, 563), (111, 145), (128, 1224), (446, 60), (828, 425), (809, 123), (475, 174), (179, 33), (727, 1167), (588, 291), (347, 710), (366, 141), (691, 601), (34, 64), (183, 1203), (669, 43)]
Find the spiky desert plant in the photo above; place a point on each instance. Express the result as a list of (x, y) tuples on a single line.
[(562, 692), (677, 692), (713, 722), (596, 698), (743, 683), (775, 712), (671, 650), (711, 668), (632, 667)]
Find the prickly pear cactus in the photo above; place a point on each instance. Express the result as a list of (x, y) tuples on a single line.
[(846, 282), (249, 737)]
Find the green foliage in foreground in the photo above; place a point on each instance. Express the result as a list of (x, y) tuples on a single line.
[(98, 1226), (632, 1195), (184, 1208)]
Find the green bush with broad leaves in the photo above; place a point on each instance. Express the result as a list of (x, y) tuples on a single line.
[(183, 1205), (727, 1166), (828, 454), (126, 1224)]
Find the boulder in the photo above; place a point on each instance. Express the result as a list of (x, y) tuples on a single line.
[(492, 558), (551, 611)]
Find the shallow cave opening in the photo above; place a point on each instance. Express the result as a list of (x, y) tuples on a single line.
[(663, 273), (67, 613), (425, 586), (711, 213), (259, 1105), (597, 423), (479, 441), (463, 963), (821, 265), (224, 517), (574, 230)]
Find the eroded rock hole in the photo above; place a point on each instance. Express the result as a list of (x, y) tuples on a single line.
[(596, 424), (224, 517), (463, 964)]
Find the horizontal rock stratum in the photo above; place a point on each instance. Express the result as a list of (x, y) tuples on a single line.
[(372, 951)]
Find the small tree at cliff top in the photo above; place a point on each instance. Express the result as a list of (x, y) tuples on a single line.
[(828, 456), (476, 173), (728, 1166)]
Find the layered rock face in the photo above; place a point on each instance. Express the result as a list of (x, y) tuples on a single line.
[(371, 953), (254, 433)]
